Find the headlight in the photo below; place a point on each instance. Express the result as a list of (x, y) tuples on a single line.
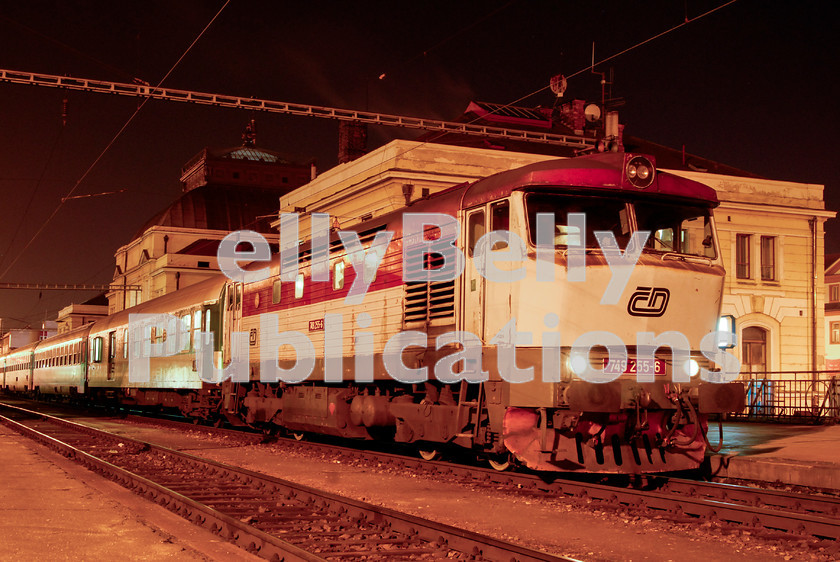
[(691, 367), (640, 172)]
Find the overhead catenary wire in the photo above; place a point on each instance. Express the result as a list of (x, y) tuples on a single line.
[(110, 143)]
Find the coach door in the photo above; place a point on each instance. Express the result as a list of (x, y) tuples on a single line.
[(473, 287)]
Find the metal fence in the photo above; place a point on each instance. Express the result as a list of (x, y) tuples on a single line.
[(792, 397)]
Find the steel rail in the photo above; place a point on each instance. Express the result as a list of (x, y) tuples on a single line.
[(206, 500)]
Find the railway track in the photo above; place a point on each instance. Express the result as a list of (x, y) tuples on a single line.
[(270, 517), (773, 510), (795, 514)]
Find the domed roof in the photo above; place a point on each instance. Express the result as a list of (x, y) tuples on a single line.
[(219, 207)]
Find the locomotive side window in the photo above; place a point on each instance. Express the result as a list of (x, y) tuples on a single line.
[(276, 293), (475, 230), (299, 286), (602, 214), (500, 220), (338, 275)]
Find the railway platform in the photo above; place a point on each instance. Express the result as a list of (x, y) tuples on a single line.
[(54, 509), (804, 455)]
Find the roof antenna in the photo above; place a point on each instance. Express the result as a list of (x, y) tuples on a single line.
[(603, 76), (249, 137)]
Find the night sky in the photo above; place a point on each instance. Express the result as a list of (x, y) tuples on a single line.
[(751, 85)]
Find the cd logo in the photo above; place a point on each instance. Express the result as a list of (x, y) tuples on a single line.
[(649, 301)]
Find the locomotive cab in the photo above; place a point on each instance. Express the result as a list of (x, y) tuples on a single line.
[(606, 295)]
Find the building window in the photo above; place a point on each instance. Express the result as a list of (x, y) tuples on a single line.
[(742, 255), (754, 350), (834, 292), (835, 332), (768, 258)]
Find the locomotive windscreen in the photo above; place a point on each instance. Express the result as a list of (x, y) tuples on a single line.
[(673, 227), (602, 214)]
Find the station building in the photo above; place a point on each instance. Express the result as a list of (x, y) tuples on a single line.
[(832, 313), (224, 190)]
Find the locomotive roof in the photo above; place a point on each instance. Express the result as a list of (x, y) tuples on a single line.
[(601, 171)]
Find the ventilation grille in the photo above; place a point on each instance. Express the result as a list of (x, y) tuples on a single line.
[(428, 301)]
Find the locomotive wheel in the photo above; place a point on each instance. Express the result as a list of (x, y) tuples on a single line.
[(500, 462), (429, 454)]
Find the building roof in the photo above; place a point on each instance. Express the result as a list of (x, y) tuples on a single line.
[(832, 264), (219, 207)]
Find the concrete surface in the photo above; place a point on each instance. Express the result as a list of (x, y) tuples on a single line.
[(54, 509), (803, 455)]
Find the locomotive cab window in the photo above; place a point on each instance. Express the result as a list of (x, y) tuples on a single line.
[(475, 230), (602, 214), (500, 221), (683, 229)]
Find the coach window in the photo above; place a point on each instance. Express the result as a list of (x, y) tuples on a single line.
[(97, 349), (475, 230), (338, 275), (112, 345), (186, 330), (196, 329)]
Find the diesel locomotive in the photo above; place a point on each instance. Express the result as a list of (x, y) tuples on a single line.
[(578, 331)]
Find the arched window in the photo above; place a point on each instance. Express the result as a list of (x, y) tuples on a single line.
[(753, 350)]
